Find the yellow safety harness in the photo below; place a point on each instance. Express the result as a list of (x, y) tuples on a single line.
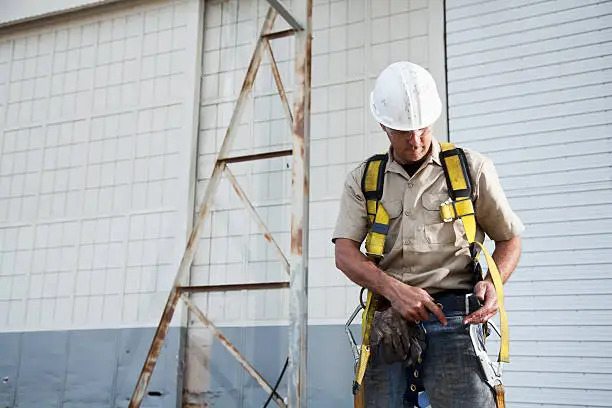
[(458, 206)]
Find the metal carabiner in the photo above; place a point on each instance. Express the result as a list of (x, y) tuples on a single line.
[(349, 333)]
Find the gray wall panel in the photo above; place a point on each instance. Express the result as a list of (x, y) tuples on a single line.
[(87, 383), (86, 368), (10, 347), (42, 374)]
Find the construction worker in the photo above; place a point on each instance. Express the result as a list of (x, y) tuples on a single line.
[(427, 268)]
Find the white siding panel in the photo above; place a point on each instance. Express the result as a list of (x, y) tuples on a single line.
[(529, 86)]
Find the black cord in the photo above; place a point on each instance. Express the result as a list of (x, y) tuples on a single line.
[(280, 377)]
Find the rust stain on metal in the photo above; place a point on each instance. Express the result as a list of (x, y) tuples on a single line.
[(238, 190), (296, 241), (154, 350)]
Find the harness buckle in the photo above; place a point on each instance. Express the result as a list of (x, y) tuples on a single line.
[(448, 211)]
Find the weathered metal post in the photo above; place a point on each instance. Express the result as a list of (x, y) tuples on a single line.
[(298, 303)]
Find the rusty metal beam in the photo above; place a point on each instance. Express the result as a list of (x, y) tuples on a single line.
[(258, 156), (262, 225), (285, 13), (233, 287), (279, 34), (298, 293), (279, 86), (155, 349), (233, 350), (194, 238)]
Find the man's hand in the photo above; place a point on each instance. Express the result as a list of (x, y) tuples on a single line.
[(414, 303), (486, 293)]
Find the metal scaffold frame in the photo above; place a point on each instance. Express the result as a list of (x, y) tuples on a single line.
[(300, 21)]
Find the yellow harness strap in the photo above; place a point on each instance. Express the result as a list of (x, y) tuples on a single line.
[(372, 187), (460, 206)]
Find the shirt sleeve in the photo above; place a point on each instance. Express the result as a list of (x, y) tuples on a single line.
[(352, 222), (493, 211)]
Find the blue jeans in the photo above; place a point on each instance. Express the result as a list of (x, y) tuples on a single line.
[(452, 374)]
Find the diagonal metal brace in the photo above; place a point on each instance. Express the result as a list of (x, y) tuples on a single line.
[(286, 13)]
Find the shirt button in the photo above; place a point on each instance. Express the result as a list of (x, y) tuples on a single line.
[(406, 242), (410, 185), (407, 213)]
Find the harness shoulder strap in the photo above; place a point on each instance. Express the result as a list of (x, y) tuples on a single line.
[(460, 206), (457, 173), (372, 184)]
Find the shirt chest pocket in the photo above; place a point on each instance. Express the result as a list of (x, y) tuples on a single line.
[(436, 231), (394, 209)]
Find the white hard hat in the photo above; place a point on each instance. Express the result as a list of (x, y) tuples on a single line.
[(405, 97)]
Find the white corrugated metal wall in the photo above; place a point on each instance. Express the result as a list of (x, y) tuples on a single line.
[(529, 85)]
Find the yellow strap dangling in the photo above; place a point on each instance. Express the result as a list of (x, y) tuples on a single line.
[(504, 350)]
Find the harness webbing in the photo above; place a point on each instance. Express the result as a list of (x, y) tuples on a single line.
[(372, 186), (461, 206)]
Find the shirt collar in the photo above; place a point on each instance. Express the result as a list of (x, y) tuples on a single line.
[(434, 157)]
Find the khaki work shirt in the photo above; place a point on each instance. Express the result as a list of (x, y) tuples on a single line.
[(420, 249)]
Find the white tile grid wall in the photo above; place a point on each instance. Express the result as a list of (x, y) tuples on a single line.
[(232, 250), (351, 44), (90, 165)]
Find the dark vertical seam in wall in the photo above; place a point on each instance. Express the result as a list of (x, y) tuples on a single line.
[(448, 128), (20, 353), (113, 396), (62, 391)]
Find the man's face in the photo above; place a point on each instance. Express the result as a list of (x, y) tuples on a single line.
[(409, 146)]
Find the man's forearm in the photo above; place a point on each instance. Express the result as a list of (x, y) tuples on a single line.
[(359, 269), (506, 256)]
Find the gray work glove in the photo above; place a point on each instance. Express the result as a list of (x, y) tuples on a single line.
[(395, 338)]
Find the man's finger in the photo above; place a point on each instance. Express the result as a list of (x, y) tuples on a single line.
[(435, 309), (476, 317), (482, 315)]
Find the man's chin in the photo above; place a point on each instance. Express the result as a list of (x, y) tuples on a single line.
[(412, 156)]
